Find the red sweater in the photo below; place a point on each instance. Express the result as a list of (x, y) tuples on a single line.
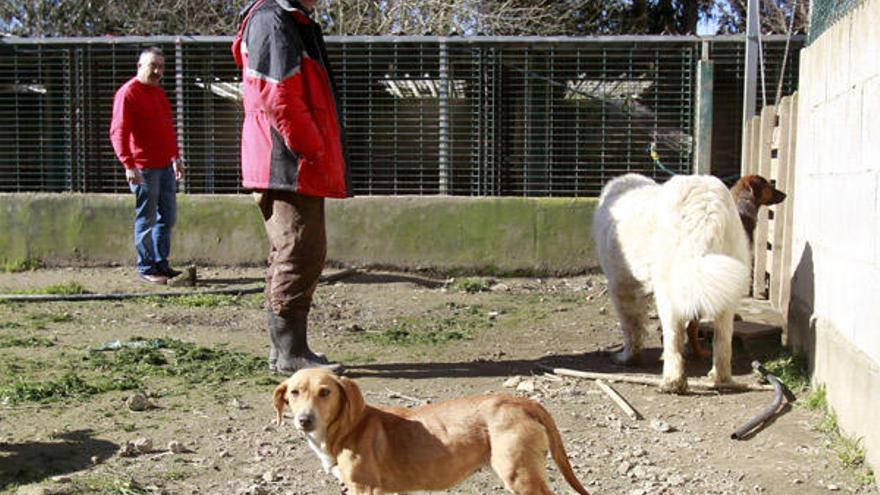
[(142, 130)]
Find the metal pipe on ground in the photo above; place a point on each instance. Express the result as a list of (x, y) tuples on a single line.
[(780, 393), (333, 277)]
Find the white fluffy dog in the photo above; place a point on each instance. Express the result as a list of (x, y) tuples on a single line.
[(682, 241)]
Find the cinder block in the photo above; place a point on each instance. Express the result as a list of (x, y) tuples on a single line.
[(838, 53), (813, 79), (870, 122), (865, 51)]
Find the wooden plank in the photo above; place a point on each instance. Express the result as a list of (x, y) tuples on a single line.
[(745, 160), (754, 151), (618, 399), (787, 214), (759, 282), (780, 178), (651, 380)]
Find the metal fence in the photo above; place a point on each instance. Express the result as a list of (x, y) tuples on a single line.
[(824, 13), (423, 115)]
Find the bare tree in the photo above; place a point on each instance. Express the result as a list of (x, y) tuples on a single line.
[(777, 16), (118, 17), (441, 17), (377, 17)]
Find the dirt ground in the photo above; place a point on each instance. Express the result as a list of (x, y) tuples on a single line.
[(405, 339)]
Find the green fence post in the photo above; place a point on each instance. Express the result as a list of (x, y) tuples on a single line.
[(703, 124)]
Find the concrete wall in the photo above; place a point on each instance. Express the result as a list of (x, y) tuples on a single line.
[(486, 235), (834, 313)]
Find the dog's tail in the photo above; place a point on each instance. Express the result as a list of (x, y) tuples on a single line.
[(703, 249), (557, 449), (706, 285)]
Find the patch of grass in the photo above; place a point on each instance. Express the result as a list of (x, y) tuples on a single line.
[(456, 322), (199, 300), (12, 341), (175, 474), (848, 450), (21, 265), (817, 399), (472, 285), (69, 385), (266, 381), (106, 485), (124, 369), (175, 358), (359, 358), (41, 321), (62, 289), (792, 368)]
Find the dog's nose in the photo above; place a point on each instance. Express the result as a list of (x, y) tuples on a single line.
[(305, 422)]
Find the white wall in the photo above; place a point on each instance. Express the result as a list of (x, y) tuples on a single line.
[(834, 313)]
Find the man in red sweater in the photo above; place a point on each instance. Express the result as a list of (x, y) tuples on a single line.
[(142, 133)]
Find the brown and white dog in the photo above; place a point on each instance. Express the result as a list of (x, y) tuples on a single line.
[(749, 194), (377, 450)]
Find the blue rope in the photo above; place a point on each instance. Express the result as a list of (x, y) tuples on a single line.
[(655, 157)]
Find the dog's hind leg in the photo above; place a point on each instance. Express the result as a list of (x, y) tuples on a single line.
[(631, 305), (674, 378), (722, 349), (519, 459)]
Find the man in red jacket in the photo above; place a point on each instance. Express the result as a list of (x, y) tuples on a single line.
[(292, 157), (143, 137)]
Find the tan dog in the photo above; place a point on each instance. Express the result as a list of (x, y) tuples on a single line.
[(749, 194), (378, 450)]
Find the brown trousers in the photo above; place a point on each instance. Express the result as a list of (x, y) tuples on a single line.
[(298, 248)]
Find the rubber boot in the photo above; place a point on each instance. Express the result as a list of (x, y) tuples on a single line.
[(290, 341), (273, 357)]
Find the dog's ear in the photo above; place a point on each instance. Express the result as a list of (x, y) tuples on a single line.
[(351, 405), (354, 401), (280, 401)]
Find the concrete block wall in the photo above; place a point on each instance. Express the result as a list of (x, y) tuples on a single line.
[(476, 235), (834, 313)]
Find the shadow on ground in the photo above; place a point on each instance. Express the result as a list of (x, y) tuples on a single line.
[(30, 462), (596, 361)]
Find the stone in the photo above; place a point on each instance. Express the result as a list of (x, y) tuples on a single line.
[(660, 426), (143, 445), (512, 382), (176, 447), (139, 402), (527, 386)]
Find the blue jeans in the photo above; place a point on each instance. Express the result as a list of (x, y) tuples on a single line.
[(155, 214)]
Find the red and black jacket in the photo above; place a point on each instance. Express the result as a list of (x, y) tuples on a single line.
[(291, 137)]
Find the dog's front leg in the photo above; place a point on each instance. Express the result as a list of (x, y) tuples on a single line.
[(360, 489)]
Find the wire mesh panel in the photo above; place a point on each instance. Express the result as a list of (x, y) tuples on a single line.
[(35, 106), (824, 13), (575, 115), (729, 61), (423, 115), (210, 84)]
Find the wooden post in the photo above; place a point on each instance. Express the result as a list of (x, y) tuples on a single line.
[(780, 177), (764, 143), (786, 215)]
